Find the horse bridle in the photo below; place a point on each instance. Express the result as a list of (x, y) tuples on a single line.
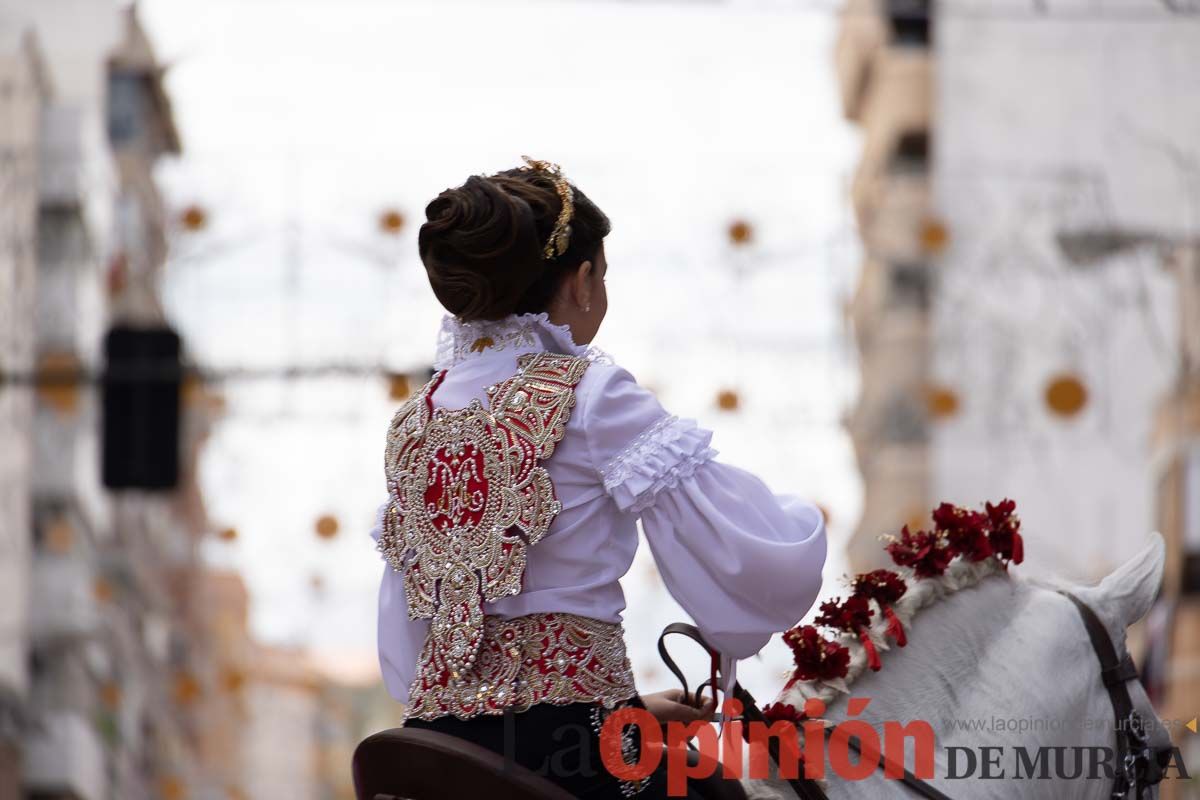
[(1136, 769)]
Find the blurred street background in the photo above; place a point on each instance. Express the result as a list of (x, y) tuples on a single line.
[(891, 253)]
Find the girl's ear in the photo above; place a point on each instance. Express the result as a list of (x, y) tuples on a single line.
[(581, 286)]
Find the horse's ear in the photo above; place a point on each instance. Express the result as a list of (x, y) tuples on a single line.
[(1126, 594)]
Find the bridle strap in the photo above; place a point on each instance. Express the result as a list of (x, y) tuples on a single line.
[(910, 780), (805, 789), (1116, 672)]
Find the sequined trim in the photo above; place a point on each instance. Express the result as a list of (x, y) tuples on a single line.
[(553, 658), (468, 497), (630, 747)]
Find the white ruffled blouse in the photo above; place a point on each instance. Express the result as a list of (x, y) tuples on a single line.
[(743, 562)]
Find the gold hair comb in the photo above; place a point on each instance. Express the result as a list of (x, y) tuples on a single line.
[(560, 238)]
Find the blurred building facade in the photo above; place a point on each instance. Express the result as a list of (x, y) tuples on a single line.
[(24, 92), (127, 668), (1177, 472), (884, 69), (1027, 314)]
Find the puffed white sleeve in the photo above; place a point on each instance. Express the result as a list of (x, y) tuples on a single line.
[(400, 639), (744, 562)]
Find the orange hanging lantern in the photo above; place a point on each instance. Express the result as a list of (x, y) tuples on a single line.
[(398, 387), (917, 519), (232, 680), (171, 788), (118, 274), (59, 536), (327, 526), (57, 381), (110, 694), (193, 219), (728, 400), (934, 236), (741, 232), (1066, 395), (185, 688), (391, 222), (102, 590), (192, 389), (941, 402)]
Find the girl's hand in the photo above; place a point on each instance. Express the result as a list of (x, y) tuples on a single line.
[(671, 706)]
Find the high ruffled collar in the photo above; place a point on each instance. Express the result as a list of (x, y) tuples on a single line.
[(459, 341)]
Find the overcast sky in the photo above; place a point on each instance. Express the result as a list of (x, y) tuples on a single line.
[(301, 120)]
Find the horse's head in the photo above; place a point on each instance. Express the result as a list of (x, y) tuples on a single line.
[(989, 647), (1064, 663)]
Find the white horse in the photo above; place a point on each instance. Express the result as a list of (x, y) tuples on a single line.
[(994, 660)]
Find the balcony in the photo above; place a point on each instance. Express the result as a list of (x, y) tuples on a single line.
[(869, 30), (64, 758), (62, 599)]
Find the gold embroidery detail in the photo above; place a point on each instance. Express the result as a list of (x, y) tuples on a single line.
[(537, 658), (468, 497), (482, 343)]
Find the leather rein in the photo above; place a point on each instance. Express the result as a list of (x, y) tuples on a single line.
[(1135, 772)]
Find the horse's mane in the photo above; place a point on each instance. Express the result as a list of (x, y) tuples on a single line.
[(921, 593)]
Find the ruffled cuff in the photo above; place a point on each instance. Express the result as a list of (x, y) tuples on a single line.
[(662, 455)]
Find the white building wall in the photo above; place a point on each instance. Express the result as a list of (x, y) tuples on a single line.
[(20, 108), (1048, 127)]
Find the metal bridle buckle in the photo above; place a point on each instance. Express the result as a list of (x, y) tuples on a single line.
[(1137, 756)]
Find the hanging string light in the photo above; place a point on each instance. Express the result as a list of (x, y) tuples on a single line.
[(728, 400), (227, 534)]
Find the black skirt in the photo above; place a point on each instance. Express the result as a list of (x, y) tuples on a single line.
[(562, 744)]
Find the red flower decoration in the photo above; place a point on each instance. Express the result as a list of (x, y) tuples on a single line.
[(783, 712), (849, 616), (1005, 536), (966, 531), (924, 552), (816, 657), (884, 587), (853, 616)]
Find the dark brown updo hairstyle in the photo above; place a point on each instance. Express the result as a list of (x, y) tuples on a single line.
[(482, 243)]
